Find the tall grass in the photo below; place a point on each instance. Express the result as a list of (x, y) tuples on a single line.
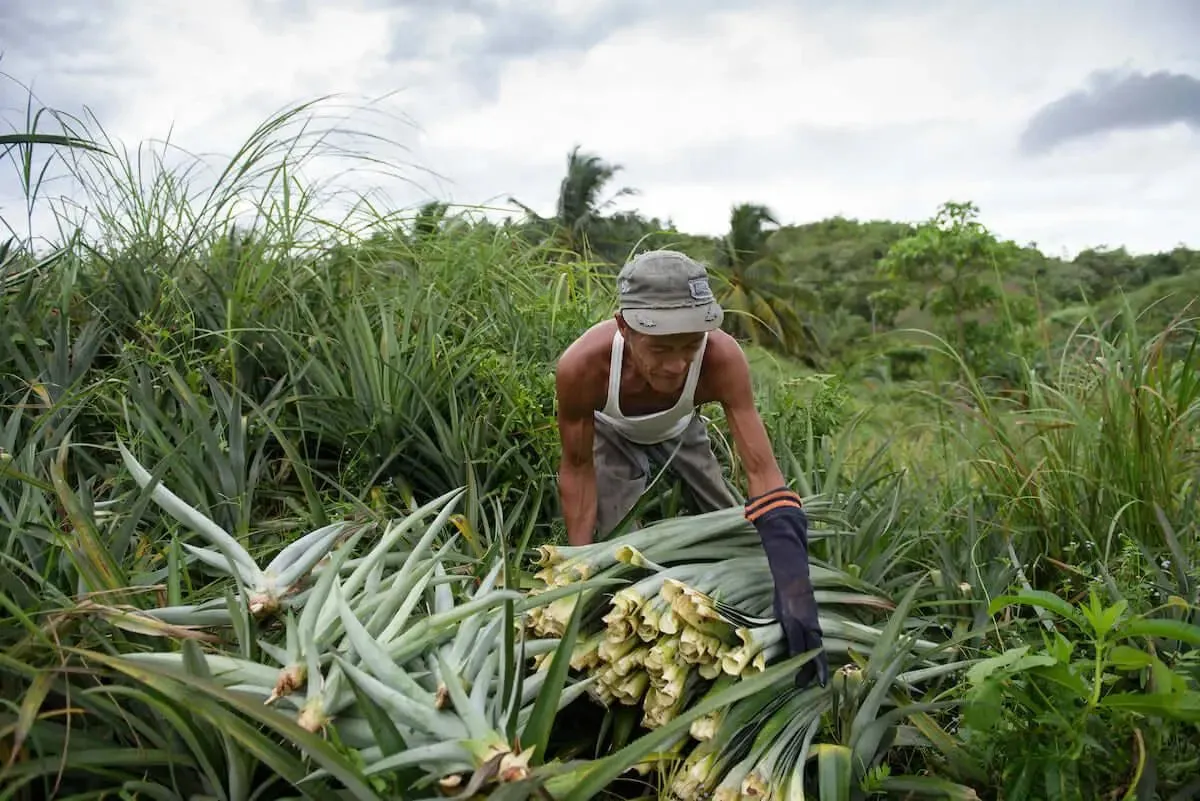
[(1096, 456)]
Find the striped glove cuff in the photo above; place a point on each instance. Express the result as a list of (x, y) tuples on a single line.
[(769, 501)]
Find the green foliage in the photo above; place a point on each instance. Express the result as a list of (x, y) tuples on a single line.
[(300, 382), (1098, 710), (1104, 445), (795, 415), (953, 267)]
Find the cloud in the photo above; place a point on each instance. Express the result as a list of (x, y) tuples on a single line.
[(855, 108), (37, 36), (1113, 102), (477, 39), (49, 29)]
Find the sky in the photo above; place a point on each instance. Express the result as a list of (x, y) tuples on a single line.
[(1070, 124)]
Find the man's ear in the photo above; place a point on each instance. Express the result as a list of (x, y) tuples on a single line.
[(622, 326)]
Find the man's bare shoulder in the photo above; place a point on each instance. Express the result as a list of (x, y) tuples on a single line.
[(590, 351), (725, 371), (722, 354), (582, 369)]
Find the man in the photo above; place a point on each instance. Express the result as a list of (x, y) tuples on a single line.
[(628, 391)]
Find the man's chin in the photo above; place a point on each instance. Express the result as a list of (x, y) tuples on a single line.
[(668, 387)]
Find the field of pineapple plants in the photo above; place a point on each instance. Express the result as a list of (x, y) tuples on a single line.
[(278, 520)]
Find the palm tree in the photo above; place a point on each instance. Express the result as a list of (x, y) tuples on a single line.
[(578, 215), (579, 205), (429, 220), (761, 303)]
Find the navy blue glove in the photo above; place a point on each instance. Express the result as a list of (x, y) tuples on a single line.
[(782, 525)]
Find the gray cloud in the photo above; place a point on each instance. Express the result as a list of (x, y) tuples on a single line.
[(524, 30), (48, 30), (1114, 101), (33, 37)]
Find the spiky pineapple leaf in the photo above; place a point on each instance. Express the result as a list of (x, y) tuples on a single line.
[(182, 687)]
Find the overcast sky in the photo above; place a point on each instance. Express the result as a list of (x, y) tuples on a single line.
[(1072, 123)]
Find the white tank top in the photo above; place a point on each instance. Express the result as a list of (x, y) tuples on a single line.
[(649, 429)]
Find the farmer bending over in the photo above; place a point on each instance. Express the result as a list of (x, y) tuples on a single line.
[(628, 391)]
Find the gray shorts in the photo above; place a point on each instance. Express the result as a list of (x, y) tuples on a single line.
[(623, 470)]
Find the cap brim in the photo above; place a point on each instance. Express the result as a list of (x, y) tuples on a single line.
[(689, 320)]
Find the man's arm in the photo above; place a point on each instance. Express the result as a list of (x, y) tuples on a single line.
[(749, 434), (576, 472), (776, 513)]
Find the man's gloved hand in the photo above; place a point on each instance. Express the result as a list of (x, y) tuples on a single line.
[(782, 524)]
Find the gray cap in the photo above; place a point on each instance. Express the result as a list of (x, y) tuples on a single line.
[(666, 292)]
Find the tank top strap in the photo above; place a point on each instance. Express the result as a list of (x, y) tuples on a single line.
[(612, 404), (688, 396)]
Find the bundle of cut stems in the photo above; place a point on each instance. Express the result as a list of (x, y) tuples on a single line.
[(695, 611)]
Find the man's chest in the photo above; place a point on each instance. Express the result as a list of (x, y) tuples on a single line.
[(640, 401)]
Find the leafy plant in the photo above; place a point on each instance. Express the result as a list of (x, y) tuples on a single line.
[(1084, 716)]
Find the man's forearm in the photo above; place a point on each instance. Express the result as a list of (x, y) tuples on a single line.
[(763, 478), (577, 492)]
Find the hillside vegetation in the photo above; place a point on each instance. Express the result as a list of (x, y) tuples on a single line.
[(278, 512)]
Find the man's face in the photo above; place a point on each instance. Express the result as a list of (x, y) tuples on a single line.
[(663, 361)]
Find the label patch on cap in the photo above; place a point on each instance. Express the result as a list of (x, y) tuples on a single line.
[(625, 286), (700, 289)]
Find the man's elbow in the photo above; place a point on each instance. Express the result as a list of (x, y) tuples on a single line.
[(576, 444), (575, 463)]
